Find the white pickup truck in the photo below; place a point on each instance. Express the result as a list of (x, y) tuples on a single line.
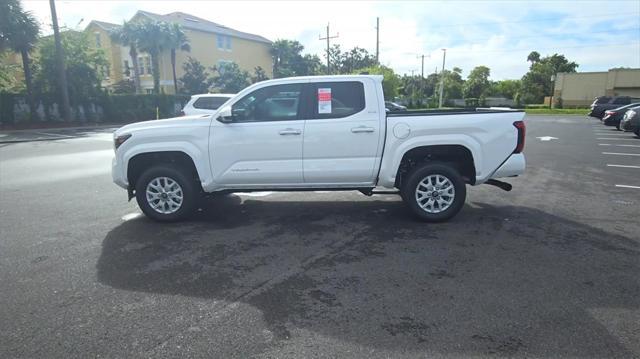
[(318, 133)]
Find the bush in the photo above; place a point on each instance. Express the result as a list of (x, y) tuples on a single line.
[(111, 109), (133, 108)]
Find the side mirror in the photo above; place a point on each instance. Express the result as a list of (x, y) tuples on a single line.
[(224, 115)]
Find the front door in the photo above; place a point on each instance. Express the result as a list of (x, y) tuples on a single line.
[(262, 146), (342, 135)]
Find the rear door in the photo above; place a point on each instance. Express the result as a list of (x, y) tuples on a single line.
[(342, 133)]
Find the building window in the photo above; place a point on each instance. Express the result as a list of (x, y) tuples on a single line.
[(223, 42), (147, 64), (144, 62), (98, 42)]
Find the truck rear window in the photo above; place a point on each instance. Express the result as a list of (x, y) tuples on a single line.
[(338, 99)]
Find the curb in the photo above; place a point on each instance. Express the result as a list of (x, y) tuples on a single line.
[(61, 128)]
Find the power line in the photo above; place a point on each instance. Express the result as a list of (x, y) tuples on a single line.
[(543, 36), (547, 48), (596, 16)]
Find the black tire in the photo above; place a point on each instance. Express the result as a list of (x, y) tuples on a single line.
[(637, 132), (416, 176), (190, 193), (618, 126)]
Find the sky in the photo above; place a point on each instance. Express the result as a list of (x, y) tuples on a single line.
[(598, 35)]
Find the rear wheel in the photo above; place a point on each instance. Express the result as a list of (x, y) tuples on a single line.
[(166, 194), (434, 192)]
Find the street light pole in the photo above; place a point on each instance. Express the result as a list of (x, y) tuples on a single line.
[(444, 56)]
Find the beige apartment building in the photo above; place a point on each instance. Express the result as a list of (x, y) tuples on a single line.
[(211, 44), (580, 88)]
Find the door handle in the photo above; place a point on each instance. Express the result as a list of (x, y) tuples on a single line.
[(289, 132), (362, 129)]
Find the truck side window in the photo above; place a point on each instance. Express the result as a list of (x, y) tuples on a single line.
[(338, 99), (209, 103), (272, 103)]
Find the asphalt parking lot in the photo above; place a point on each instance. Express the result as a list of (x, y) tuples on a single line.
[(549, 270)]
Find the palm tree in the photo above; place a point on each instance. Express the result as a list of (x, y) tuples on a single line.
[(128, 35), (177, 41), (19, 31), (154, 38)]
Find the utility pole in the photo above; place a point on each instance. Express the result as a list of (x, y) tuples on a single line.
[(444, 56), (422, 67), (377, 39), (328, 47), (62, 76)]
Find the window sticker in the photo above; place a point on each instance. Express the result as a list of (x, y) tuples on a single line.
[(324, 100)]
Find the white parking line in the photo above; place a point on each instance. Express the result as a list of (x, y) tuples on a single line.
[(611, 134), (617, 139), (623, 166), (621, 154), (609, 144), (625, 186), (54, 134)]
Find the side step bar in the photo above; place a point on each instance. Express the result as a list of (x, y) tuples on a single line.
[(502, 185), (370, 192)]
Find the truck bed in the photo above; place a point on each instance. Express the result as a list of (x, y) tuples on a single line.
[(453, 111)]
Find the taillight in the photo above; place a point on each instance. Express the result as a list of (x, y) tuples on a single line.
[(522, 129), (182, 113)]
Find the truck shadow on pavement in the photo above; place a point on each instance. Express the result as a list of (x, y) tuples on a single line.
[(494, 281)]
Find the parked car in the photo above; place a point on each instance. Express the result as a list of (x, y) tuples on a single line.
[(205, 104), (613, 117), (631, 121), (318, 133), (598, 109), (392, 106)]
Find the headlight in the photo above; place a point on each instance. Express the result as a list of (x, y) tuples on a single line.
[(119, 140)]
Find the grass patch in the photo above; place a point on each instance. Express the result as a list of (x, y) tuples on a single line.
[(556, 111)]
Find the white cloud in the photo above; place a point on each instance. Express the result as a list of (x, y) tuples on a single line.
[(497, 34)]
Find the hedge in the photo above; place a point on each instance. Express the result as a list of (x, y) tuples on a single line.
[(105, 109)]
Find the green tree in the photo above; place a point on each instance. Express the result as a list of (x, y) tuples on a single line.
[(177, 41), (533, 57), (537, 83), (128, 35), (258, 75), (81, 65), (391, 82), (230, 78), (154, 37), (506, 88), (453, 83), (196, 79), (349, 61), (8, 81), (288, 60), (19, 32), (124, 87), (477, 84)]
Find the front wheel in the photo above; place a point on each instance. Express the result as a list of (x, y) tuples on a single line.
[(166, 194), (434, 192)]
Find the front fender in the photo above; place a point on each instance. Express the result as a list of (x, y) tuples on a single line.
[(199, 157)]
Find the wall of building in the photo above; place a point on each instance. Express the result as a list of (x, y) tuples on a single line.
[(112, 52), (579, 89)]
